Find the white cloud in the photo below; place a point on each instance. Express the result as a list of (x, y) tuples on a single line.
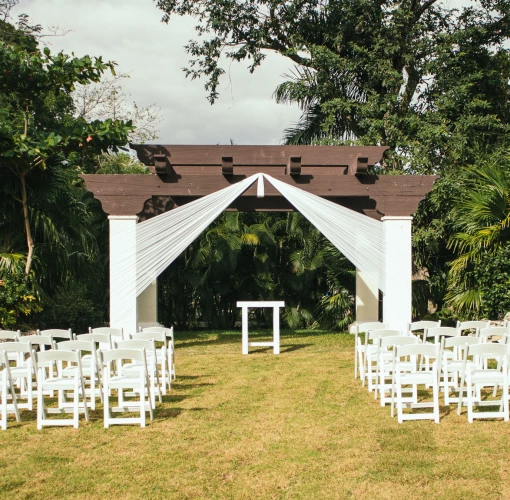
[(130, 33)]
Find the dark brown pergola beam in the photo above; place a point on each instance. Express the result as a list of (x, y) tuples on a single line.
[(185, 173)]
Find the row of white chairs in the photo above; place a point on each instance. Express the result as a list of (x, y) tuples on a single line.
[(166, 336), (390, 361), (89, 366)]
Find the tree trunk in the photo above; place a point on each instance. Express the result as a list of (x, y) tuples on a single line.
[(28, 231)]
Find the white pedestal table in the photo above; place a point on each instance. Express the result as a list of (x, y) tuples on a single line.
[(275, 304)]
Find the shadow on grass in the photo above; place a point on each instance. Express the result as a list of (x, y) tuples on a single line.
[(229, 337), (283, 348)]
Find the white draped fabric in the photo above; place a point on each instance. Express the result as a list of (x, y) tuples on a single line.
[(160, 240), (358, 237)]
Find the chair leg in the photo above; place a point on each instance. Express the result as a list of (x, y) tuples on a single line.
[(106, 406), (400, 412), (85, 406), (40, 407), (435, 394), (469, 389), (142, 399), (4, 400), (504, 396)]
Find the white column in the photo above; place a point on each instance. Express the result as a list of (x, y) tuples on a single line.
[(148, 305), (397, 297), (123, 303), (367, 298)]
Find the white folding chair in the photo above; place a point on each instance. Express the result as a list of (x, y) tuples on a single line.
[(385, 363), (7, 390), (162, 355), (170, 344), (406, 372), (484, 334), (71, 381), (359, 347), (57, 334), (149, 347), (435, 335), (44, 343), (473, 326), (452, 362), (102, 342), (23, 370), (476, 375), (371, 352), (10, 336), (91, 372), (418, 327), (115, 333), (136, 380)]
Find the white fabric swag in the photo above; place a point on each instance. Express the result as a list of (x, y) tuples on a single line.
[(163, 238)]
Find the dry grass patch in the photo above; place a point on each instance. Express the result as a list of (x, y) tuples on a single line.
[(261, 426)]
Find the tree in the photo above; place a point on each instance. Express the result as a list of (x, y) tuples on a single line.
[(107, 99), (480, 274), (38, 128), (365, 70)]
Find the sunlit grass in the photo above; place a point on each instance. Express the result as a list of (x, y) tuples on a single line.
[(297, 425)]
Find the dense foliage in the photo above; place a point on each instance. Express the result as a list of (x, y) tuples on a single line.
[(258, 257), (52, 231)]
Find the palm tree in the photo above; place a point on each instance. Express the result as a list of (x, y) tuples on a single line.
[(482, 217)]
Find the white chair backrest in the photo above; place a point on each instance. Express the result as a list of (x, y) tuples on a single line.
[(56, 333), (372, 335), (56, 355), (385, 342), (429, 350), (104, 330), (371, 325), (150, 335), (169, 332), (438, 332), (472, 325), (15, 347), (104, 340), (124, 354), (447, 342), (41, 340), (457, 345), (147, 345), (421, 325), (479, 352), (485, 333), (10, 334), (77, 345)]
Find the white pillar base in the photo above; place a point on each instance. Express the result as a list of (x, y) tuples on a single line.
[(367, 299), (123, 303), (148, 306), (397, 299)]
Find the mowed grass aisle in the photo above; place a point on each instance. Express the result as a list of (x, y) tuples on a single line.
[(296, 425)]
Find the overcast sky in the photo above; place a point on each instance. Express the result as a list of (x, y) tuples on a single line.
[(130, 33)]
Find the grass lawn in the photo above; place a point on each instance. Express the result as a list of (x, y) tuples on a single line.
[(294, 426)]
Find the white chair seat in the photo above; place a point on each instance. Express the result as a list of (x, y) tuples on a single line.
[(58, 383)]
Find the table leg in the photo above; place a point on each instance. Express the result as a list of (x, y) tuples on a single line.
[(245, 329), (276, 330)]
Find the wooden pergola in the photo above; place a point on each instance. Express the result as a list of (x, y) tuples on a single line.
[(341, 174)]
